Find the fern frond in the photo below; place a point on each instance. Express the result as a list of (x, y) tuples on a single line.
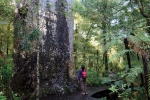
[(143, 37), (133, 73), (136, 40), (118, 55)]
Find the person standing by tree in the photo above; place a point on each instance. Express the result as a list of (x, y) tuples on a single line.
[(82, 79)]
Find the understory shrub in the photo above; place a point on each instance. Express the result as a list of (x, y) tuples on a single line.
[(93, 79), (2, 97)]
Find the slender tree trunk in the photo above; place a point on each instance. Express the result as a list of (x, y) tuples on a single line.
[(37, 76), (105, 56), (7, 46), (106, 61), (84, 52), (7, 49), (127, 54), (97, 59)]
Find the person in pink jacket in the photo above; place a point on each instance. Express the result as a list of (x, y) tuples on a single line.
[(82, 80)]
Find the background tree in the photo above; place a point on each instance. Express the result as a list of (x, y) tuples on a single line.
[(6, 48)]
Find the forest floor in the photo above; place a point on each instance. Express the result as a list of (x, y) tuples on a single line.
[(76, 95)]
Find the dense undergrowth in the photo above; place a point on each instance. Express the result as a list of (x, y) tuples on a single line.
[(6, 72)]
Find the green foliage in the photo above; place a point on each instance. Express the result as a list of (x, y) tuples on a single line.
[(126, 94), (136, 94), (113, 88), (6, 46), (123, 83), (29, 39), (118, 55), (133, 74), (34, 35), (2, 97), (23, 10), (15, 96), (6, 72), (6, 10), (112, 21), (6, 27), (93, 78), (106, 80)]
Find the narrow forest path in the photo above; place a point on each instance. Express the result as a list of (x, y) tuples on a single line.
[(76, 95)]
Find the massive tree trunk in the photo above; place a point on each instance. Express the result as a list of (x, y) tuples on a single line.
[(57, 70)]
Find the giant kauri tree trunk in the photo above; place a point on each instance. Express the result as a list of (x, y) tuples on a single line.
[(54, 18)]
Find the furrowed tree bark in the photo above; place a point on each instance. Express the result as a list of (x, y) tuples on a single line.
[(127, 54)]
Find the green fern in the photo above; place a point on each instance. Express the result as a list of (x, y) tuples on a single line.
[(34, 35), (118, 55), (133, 74), (2, 97)]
